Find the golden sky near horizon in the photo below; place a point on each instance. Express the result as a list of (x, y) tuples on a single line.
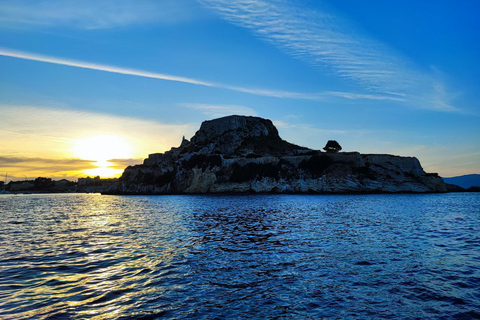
[(64, 143), (69, 144)]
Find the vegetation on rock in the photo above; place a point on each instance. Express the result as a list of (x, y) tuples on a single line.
[(332, 146)]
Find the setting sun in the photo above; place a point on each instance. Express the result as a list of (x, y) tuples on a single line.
[(104, 172), (101, 149)]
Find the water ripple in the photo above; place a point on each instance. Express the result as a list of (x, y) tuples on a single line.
[(240, 257)]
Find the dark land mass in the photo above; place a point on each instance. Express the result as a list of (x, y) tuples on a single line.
[(238, 154), (466, 181), (47, 185)]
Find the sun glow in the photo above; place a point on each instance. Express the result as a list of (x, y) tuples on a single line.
[(102, 149)]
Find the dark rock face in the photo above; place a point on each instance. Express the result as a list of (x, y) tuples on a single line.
[(234, 125), (237, 134), (454, 188), (246, 154)]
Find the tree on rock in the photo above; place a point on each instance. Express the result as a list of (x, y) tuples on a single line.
[(332, 146)]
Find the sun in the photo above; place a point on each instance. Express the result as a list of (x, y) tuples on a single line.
[(103, 172), (102, 149)]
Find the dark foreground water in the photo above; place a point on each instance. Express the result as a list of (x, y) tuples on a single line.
[(240, 257)]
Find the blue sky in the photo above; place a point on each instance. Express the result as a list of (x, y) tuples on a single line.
[(399, 77)]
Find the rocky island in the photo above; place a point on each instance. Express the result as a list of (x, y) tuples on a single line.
[(239, 154)]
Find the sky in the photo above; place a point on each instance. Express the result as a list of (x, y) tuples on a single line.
[(88, 87)]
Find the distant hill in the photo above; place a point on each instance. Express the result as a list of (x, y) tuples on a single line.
[(465, 181)]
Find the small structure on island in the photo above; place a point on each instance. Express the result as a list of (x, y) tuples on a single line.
[(332, 146), (184, 142)]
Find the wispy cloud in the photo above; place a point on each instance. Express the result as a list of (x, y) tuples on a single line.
[(356, 96), (78, 163), (94, 14), (306, 127), (320, 96), (216, 111), (328, 42), (19, 168), (99, 67)]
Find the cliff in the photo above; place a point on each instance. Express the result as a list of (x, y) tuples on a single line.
[(246, 154)]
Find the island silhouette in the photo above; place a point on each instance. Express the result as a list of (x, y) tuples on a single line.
[(242, 154)]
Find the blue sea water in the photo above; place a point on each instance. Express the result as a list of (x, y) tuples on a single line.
[(86, 256)]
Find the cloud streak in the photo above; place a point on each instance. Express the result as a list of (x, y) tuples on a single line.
[(99, 67), (328, 42), (80, 163), (321, 96), (94, 14), (26, 167)]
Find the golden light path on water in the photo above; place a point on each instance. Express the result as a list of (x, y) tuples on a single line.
[(101, 149)]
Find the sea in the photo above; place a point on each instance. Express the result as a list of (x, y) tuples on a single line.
[(91, 256)]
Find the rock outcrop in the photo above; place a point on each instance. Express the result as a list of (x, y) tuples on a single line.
[(246, 154)]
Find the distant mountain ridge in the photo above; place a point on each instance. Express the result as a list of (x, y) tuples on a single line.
[(465, 181), (238, 154)]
